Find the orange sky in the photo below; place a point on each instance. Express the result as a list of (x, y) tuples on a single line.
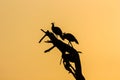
[(94, 23)]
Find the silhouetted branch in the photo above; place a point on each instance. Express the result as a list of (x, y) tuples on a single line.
[(69, 54), (49, 49)]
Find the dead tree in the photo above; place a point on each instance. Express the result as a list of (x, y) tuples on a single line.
[(69, 55)]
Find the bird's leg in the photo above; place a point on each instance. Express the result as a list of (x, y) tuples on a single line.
[(70, 44), (49, 49)]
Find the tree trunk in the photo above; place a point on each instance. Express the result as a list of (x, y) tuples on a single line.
[(78, 71)]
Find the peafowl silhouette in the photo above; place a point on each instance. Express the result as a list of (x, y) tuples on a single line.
[(70, 38), (69, 55), (56, 30)]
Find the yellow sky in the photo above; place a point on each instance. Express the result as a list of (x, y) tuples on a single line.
[(95, 23)]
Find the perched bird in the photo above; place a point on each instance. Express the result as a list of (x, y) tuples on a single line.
[(70, 38), (56, 30)]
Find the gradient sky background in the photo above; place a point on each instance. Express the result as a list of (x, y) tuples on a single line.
[(95, 23)]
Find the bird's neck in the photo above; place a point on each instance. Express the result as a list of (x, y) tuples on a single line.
[(52, 26)]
